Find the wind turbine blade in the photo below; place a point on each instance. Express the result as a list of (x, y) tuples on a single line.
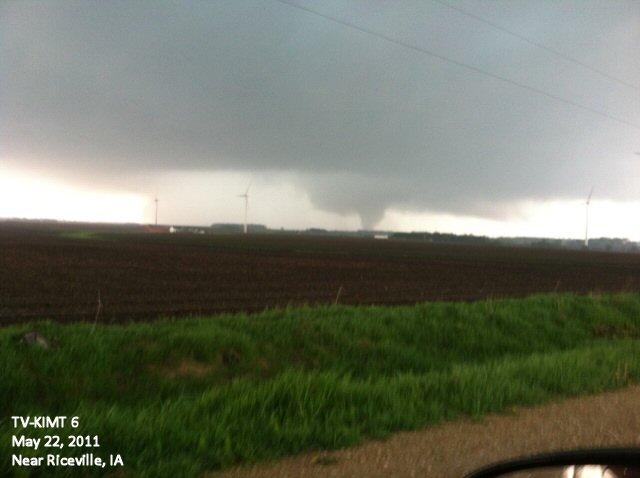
[(590, 193), (248, 186)]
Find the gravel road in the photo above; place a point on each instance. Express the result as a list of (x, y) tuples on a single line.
[(453, 449)]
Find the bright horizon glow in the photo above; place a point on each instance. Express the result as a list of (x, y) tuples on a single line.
[(551, 219), (30, 197)]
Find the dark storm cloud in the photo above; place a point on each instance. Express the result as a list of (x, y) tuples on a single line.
[(106, 88)]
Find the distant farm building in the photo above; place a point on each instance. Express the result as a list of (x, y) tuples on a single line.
[(157, 229), (225, 228), (187, 230)]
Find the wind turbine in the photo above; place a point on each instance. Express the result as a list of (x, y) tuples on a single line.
[(156, 201), (586, 228), (246, 205)]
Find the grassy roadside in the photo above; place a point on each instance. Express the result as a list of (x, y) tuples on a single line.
[(176, 398)]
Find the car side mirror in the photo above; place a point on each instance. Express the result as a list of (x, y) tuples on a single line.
[(595, 463)]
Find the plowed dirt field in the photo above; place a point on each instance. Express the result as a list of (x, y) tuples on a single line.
[(56, 273)]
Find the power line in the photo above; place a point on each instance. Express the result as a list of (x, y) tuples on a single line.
[(539, 45), (459, 63)]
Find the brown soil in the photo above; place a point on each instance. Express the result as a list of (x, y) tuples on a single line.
[(454, 449), (119, 277)]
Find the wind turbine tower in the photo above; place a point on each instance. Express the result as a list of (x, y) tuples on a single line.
[(246, 205), (586, 227), (156, 201)]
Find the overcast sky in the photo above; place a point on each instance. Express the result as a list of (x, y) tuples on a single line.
[(493, 117)]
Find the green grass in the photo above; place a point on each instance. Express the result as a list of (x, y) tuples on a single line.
[(177, 398), (82, 235)]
